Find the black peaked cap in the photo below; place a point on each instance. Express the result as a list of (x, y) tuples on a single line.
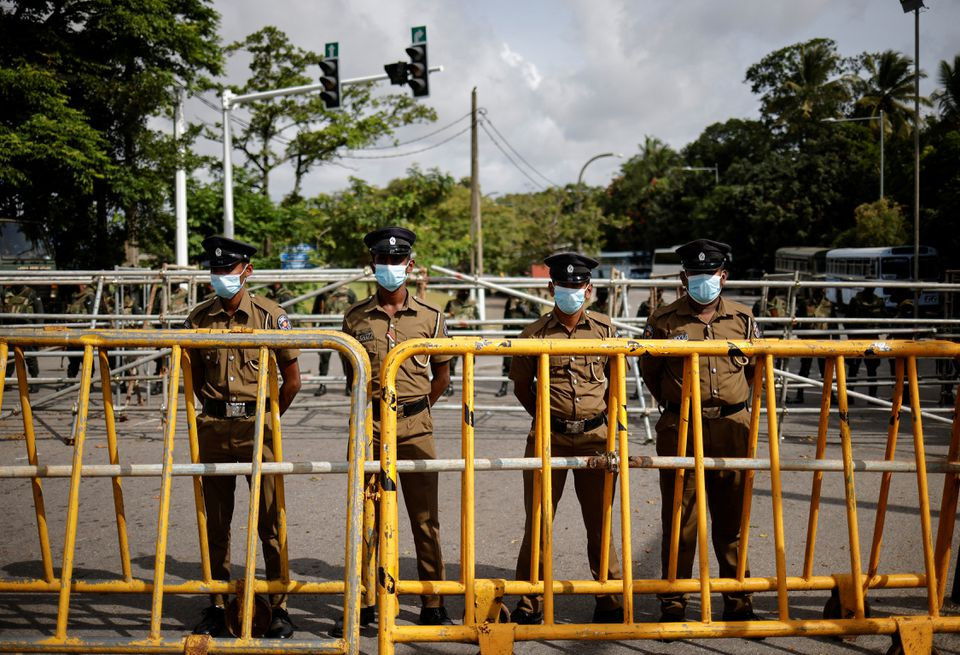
[(390, 241), (221, 251), (704, 255), (570, 267)]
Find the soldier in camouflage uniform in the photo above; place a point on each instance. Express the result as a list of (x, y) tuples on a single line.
[(81, 302), (866, 304), (279, 293), (515, 308), (463, 308), (23, 300), (818, 305), (337, 302)]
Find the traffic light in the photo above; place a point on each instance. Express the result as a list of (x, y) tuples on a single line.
[(330, 65), (397, 72), (417, 69)]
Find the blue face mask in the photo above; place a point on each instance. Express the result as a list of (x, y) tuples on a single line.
[(569, 301), (390, 276), (226, 286), (704, 289)]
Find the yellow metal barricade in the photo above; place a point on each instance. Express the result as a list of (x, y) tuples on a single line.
[(483, 598), (182, 343)]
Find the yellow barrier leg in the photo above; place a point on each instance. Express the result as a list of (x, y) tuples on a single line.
[(191, 403), (933, 604), (750, 474), (166, 483), (625, 515), (948, 508), (776, 493), (546, 489), (701, 494), (278, 479), (607, 523), (73, 502), (250, 573), (679, 476), (540, 433), (467, 501), (114, 456), (389, 527), (30, 438), (814, 514), (3, 371), (850, 493), (892, 431)]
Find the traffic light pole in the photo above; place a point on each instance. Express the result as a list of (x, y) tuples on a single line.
[(228, 101)]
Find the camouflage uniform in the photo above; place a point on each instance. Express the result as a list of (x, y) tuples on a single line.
[(866, 304), (342, 299), (463, 309), (279, 293), (81, 303), (515, 308), (24, 300), (820, 309)]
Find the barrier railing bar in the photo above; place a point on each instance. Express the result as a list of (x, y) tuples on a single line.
[(893, 431), (3, 371), (701, 489), (817, 483), (749, 474), (467, 499), (853, 532), (190, 400), (73, 500), (626, 530), (546, 484), (776, 492), (166, 484), (30, 439), (114, 456), (948, 510), (277, 443), (920, 456)]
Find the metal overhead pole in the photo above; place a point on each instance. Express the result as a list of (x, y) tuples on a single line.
[(227, 167), (476, 220), (916, 147), (180, 182)]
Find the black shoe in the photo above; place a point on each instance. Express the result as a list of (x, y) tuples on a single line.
[(673, 617), (434, 616), (368, 615), (448, 391), (346, 390), (212, 622), (796, 400), (502, 391), (523, 617), (614, 615), (281, 627), (321, 390)]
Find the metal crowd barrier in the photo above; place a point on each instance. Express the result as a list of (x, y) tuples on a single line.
[(483, 598), (182, 344)]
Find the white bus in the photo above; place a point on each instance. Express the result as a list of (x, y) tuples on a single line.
[(890, 263)]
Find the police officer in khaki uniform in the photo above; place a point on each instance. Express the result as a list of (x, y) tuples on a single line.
[(578, 419), (380, 322), (701, 314), (225, 381)]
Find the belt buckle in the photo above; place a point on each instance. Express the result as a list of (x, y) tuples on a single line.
[(575, 427), (712, 412), (235, 410)]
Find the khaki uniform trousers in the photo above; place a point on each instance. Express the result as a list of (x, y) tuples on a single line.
[(226, 441), (588, 485), (726, 436), (420, 496)]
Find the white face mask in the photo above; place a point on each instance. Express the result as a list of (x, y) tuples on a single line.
[(226, 286)]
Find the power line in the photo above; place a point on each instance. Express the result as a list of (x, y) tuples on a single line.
[(514, 150), (507, 155), (419, 138), (412, 152)]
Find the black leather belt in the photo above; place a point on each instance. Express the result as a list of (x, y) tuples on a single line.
[(724, 410), (404, 410), (221, 409), (563, 426)]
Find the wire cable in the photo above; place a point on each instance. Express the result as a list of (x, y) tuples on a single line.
[(514, 150), (407, 154), (507, 155), (419, 138)]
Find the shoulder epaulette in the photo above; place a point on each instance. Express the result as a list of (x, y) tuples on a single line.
[(426, 304), (357, 305)]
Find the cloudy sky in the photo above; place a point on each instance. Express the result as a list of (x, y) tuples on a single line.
[(564, 80)]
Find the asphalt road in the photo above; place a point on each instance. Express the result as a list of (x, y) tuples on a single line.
[(315, 429)]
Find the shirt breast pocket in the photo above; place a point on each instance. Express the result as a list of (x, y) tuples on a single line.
[(597, 369), (250, 357)]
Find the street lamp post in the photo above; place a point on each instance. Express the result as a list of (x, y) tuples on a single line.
[(866, 118), (915, 6), (619, 155), (714, 168)]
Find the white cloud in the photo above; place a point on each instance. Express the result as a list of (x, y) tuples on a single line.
[(527, 69)]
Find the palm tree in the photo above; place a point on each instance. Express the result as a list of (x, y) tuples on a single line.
[(888, 87), (948, 97)]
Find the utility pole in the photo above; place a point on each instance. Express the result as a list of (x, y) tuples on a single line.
[(180, 182), (916, 150), (476, 221)]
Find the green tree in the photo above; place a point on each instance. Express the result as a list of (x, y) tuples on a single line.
[(888, 86), (948, 97), (120, 62), (878, 223), (298, 130)]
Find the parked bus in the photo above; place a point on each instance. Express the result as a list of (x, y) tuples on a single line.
[(809, 261), (890, 263), (666, 263), (634, 264)]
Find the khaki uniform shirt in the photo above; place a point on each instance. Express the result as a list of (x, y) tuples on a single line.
[(578, 383), (230, 374), (723, 380), (369, 324)]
